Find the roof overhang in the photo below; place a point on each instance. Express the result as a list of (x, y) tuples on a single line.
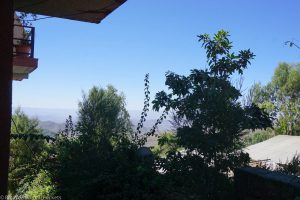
[(82, 10)]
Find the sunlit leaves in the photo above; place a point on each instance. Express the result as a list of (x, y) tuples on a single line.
[(280, 98)]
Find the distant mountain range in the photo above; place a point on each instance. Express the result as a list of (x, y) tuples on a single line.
[(53, 120), (49, 114), (51, 128)]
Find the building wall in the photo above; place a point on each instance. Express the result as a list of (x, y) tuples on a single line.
[(261, 184)]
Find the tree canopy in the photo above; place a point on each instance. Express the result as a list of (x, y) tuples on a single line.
[(102, 112), (280, 97), (210, 104)]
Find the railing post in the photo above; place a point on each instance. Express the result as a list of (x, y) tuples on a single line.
[(32, 41), (6, 62)]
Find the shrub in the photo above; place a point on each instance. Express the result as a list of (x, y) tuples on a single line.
[(292, 167), (258, 136), (41, 187)]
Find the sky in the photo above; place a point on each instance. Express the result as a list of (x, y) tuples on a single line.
[(154, 37)]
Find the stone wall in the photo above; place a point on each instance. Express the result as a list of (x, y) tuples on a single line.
[(261, 184)]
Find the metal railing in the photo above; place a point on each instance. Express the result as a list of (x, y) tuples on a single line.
[(23, 41)]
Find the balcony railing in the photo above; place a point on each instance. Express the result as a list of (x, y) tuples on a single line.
[(23, 41)]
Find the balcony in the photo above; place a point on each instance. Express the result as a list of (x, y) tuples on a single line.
[(23, 52)]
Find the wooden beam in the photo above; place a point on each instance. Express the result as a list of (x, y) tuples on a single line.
[(6, 61)]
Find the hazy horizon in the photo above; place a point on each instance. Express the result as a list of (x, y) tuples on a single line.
[(59, 115)]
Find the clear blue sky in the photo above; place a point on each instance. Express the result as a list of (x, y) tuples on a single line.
[(152, 37)]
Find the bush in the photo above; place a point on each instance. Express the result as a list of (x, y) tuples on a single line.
[(292, 167), (41, 187), (258, 136)]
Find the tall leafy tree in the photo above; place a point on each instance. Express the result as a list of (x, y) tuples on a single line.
[(102, 115), (280, 98), (210, 104)]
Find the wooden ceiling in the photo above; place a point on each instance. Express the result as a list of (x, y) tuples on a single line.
[(81, 10)]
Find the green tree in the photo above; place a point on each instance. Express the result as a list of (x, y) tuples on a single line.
[(27, 154), (280, 98), (97, 158), (102, 115), (210, 104)]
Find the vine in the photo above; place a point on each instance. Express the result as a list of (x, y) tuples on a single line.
[(140, 138)]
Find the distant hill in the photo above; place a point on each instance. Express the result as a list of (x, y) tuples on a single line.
[(50, 114), (53, 120), (164, 126), (51, 128)]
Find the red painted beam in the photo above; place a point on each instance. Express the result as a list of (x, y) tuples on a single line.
[(6, 62)]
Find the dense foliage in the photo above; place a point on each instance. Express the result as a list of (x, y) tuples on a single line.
[(27, 158), (280, 98), (258, 136), (97, 159), (167, 142), (213, 119)]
